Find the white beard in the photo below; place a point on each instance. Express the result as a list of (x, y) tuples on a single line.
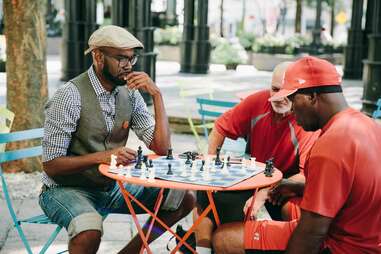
[(281, 109)]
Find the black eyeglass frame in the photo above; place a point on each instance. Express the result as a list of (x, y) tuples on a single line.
[(123, 61)]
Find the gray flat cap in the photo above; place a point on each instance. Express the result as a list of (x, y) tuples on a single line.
[(112, 36)]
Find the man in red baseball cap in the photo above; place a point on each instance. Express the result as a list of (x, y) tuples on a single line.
[(342, 195)]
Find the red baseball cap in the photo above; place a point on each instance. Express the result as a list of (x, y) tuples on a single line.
[(307, 72)]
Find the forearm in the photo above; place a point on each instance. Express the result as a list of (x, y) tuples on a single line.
[(215, 140), (299, 178), (161, 137), (73, 164), (310, 233)]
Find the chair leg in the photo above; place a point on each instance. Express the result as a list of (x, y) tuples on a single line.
[(50, 240), (23, 238)]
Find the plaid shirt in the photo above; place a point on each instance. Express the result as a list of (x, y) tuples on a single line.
[(62, 113)]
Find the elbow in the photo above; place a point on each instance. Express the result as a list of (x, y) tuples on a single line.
[(48, 168)]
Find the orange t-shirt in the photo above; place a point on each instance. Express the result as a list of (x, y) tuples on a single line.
[(343, 181)]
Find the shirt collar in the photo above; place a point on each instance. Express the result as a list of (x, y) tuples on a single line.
[(96, 83)]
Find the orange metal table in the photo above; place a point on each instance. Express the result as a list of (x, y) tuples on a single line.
[(253, 183)]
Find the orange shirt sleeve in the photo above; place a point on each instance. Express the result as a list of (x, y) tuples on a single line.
[(328, 182)]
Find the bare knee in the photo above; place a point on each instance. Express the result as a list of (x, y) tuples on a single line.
[(85, 242), (228, 238)]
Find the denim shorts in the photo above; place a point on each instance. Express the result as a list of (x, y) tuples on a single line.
[(80, 209)]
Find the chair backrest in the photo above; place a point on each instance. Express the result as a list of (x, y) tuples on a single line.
[(377, 112), (187, 94), (211, 109)]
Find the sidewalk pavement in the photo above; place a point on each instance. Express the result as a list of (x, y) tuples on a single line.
[(119, 228)]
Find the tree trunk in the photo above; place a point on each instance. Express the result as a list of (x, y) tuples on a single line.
[(27, 90), (298, 16), (222, 18), (333, 18)]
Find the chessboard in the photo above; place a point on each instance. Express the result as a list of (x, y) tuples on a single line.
[(181, 172)]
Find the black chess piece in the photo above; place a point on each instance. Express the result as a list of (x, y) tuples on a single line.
[(218, 161), (188, 161), (202, 165), (269, 169), (193, 155), (139, 158), (169, 154), (145, 161), (169, 170), (150, 163)]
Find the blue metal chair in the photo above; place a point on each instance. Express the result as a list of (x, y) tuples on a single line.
[(22, 154), (377, 112), (209, 110)]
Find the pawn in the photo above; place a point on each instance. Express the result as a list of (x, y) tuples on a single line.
[(218, 161), (169, 154), (151, 175), (169, 172), (150, 163), (202, 165), (188, 161), (145, 161), (228, 162)]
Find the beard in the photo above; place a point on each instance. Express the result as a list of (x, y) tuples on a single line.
[(281, 108), (114, 80)]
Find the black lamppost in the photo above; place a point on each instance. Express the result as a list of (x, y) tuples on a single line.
[(316, 39)]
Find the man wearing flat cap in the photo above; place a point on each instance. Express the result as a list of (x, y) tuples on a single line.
[(340, 209), (86, 121)]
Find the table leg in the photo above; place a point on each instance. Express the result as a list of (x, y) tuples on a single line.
[(213, 206), (247, 216), (191, 229), (133, 214), (156, 209), (128, 197)]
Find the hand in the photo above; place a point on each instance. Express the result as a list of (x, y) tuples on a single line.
[(140, 80), (259, 201), (124, 155), (282, 192)]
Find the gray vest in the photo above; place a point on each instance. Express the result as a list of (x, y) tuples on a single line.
[(91, 135)]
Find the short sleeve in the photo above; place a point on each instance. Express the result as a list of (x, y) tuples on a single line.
[(328, 183), (236, 122)]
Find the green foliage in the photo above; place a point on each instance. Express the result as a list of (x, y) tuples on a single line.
[(247, 40), (229, 53), (168, 36)]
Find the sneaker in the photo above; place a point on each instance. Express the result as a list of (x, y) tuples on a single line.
[(191, 240)]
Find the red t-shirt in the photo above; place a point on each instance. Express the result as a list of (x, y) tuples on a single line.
[(343, 181), (284, 140)]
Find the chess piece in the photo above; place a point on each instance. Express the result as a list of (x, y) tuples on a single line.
[(169, 172), (145, 161), (243, 165), (269, 169), (252, 164), (169, 154), (193, 167), (138, 164), (202, 165), (151, 175), (188, 161), (113, 161), (193, 155), (206, 174), (128, 172), (218, 161), (228, 162), (224, 170), (150, 163), (143, 171)]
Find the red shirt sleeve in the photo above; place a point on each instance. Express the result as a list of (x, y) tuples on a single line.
[(236, 122), (324, 170)]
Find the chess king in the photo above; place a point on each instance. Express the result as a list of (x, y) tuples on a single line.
[(86, 121), (272, 131)]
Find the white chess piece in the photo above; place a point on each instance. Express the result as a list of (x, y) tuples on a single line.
[(113, 161), (224, 170), (143, 172), (253, 166), (243, 164), (151, 176), (128, 172), (183, 167), (206, 174)]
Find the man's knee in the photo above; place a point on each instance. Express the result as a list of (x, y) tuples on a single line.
[(228, 238), (86, 241)]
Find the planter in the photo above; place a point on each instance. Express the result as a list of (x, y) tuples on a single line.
[(168, 53), (231, 66)]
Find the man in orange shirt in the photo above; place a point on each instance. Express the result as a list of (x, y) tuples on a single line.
[(342, 195)]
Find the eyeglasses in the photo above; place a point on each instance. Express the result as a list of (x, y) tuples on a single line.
[(123, 61)]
